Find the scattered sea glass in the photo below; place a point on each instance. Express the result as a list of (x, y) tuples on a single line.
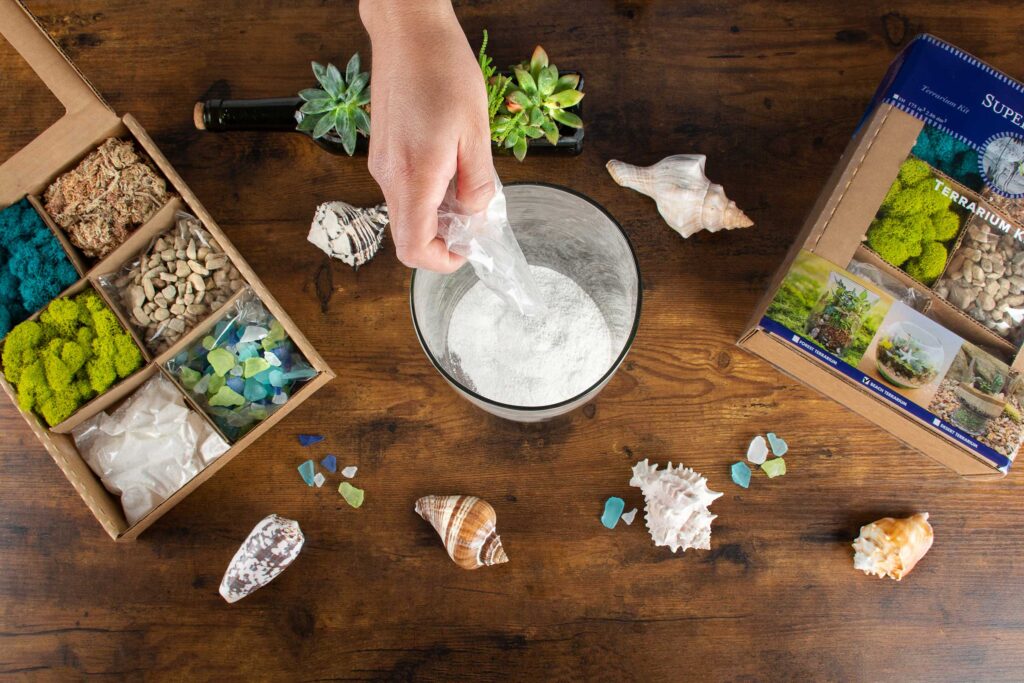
[(307, 472), (775, 467), (330, 463), (319, 479), (237, 354), (628, 517), (613, 508), (221, 360), (741, 474), (757, 451), (349, 471), (310, 439), (779, 446), (266, 552), (351, 494)]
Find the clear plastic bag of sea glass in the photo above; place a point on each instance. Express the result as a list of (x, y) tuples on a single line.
[(488, 243), (149, 447), (181, 278), (985, 280), (908, 295), (244, 369)]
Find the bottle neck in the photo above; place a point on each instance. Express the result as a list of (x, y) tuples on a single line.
[(268, 114)]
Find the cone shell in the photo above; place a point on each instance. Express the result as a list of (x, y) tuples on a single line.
[(270, 547), (686, 199), (892, 547), (467, 526)]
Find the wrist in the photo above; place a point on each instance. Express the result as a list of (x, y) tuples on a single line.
[(379, 16)]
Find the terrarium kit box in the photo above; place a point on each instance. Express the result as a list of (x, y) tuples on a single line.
[(903, 296), (131, 282)]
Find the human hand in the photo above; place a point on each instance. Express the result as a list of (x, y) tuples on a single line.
[(430, 122)]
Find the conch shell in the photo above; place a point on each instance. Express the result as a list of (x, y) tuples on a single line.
[(892, 547), (676, 510), (466, 525), (349, 233), (267, 551), (686, 199)]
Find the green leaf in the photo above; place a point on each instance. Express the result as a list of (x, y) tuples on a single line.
[(323, 126), (546, 81), (362, 98), (334, 85), (313, 94), (520, 98), (347, 130), (536, 117), (362, 121), (308, 122), (567, 118), (565, 99), (567, 82), (317, 106), (320, 71), (520, 149), (512, 139), (352, 70), (538, 60), (550, 132), (533, 132), (526, 82), (356, 85)]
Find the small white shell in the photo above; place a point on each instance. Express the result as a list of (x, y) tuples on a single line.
[(349, 233), (686, 199), (267, 551), (676, 505)]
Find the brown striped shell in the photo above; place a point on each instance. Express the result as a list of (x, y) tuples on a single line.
[(467, 526)]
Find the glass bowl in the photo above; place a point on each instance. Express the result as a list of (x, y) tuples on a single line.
[(562, 230)]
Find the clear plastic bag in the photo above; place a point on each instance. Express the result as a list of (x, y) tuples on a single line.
[(148, 448), (244, 369), (488, 243), (181, 278), (908, 295)]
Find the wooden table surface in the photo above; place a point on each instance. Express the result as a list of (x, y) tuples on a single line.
[(771, 93)]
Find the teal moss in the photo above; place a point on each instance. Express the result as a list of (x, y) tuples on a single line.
[(33, 266), (956, 159)]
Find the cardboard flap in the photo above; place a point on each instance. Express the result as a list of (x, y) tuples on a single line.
[(86, 116)]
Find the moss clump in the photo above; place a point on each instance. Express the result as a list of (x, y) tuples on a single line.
[(956, 159), (77, 350), (915, 223), (33, 266)]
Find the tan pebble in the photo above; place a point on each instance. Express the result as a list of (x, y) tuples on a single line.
[(161, 314), (177, 309), (219, 277), (190, 250), (198, 268), (200, 295), (160, 245), (992, 287), (236, 285), (197, 309), (160, 301), (177, 324), (137, 296), (202, 253), (189, 296), (147, 287), (215, 261), (169, 292), (149, 307), (197, 282), (140, 315), (987, 302), (179, 242), (182, 270), (167, 254)]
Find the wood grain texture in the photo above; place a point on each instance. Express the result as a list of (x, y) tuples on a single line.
[(770, 92)]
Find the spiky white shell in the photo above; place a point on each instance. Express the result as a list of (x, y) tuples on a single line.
[(676, 509), (467, 526), (349, 233), (686, 199), (267, 551), (892, 547)]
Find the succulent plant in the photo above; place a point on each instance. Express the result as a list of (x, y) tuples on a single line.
[(531, 105), (340, 105)]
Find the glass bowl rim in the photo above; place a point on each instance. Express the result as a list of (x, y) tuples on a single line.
[(612, 367)]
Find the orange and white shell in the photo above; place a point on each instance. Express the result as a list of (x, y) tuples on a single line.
[(892, 547), (686, 199), (467, 527)]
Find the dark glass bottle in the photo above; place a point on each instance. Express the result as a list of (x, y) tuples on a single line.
[(281, 114)]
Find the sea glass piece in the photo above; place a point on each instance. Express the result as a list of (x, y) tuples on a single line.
[(775, 467), (236, 384), (741, 474), (226, 396), (236, 371), (190, 377), (310, 439), (202, 385), (215, 384), (628, 517), (351, 494), (757, 451), (613, 508), (307, 471), (254, 366), (349, 471), (254, 391), (779, 446), (208, 343), (267, 551), (319, 479), (253, 333), (272, 359), (276, 378), (330, 463), (279, 399), (221, 360), (247, 350)]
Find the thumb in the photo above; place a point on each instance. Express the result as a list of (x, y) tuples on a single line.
[(475, 185)]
